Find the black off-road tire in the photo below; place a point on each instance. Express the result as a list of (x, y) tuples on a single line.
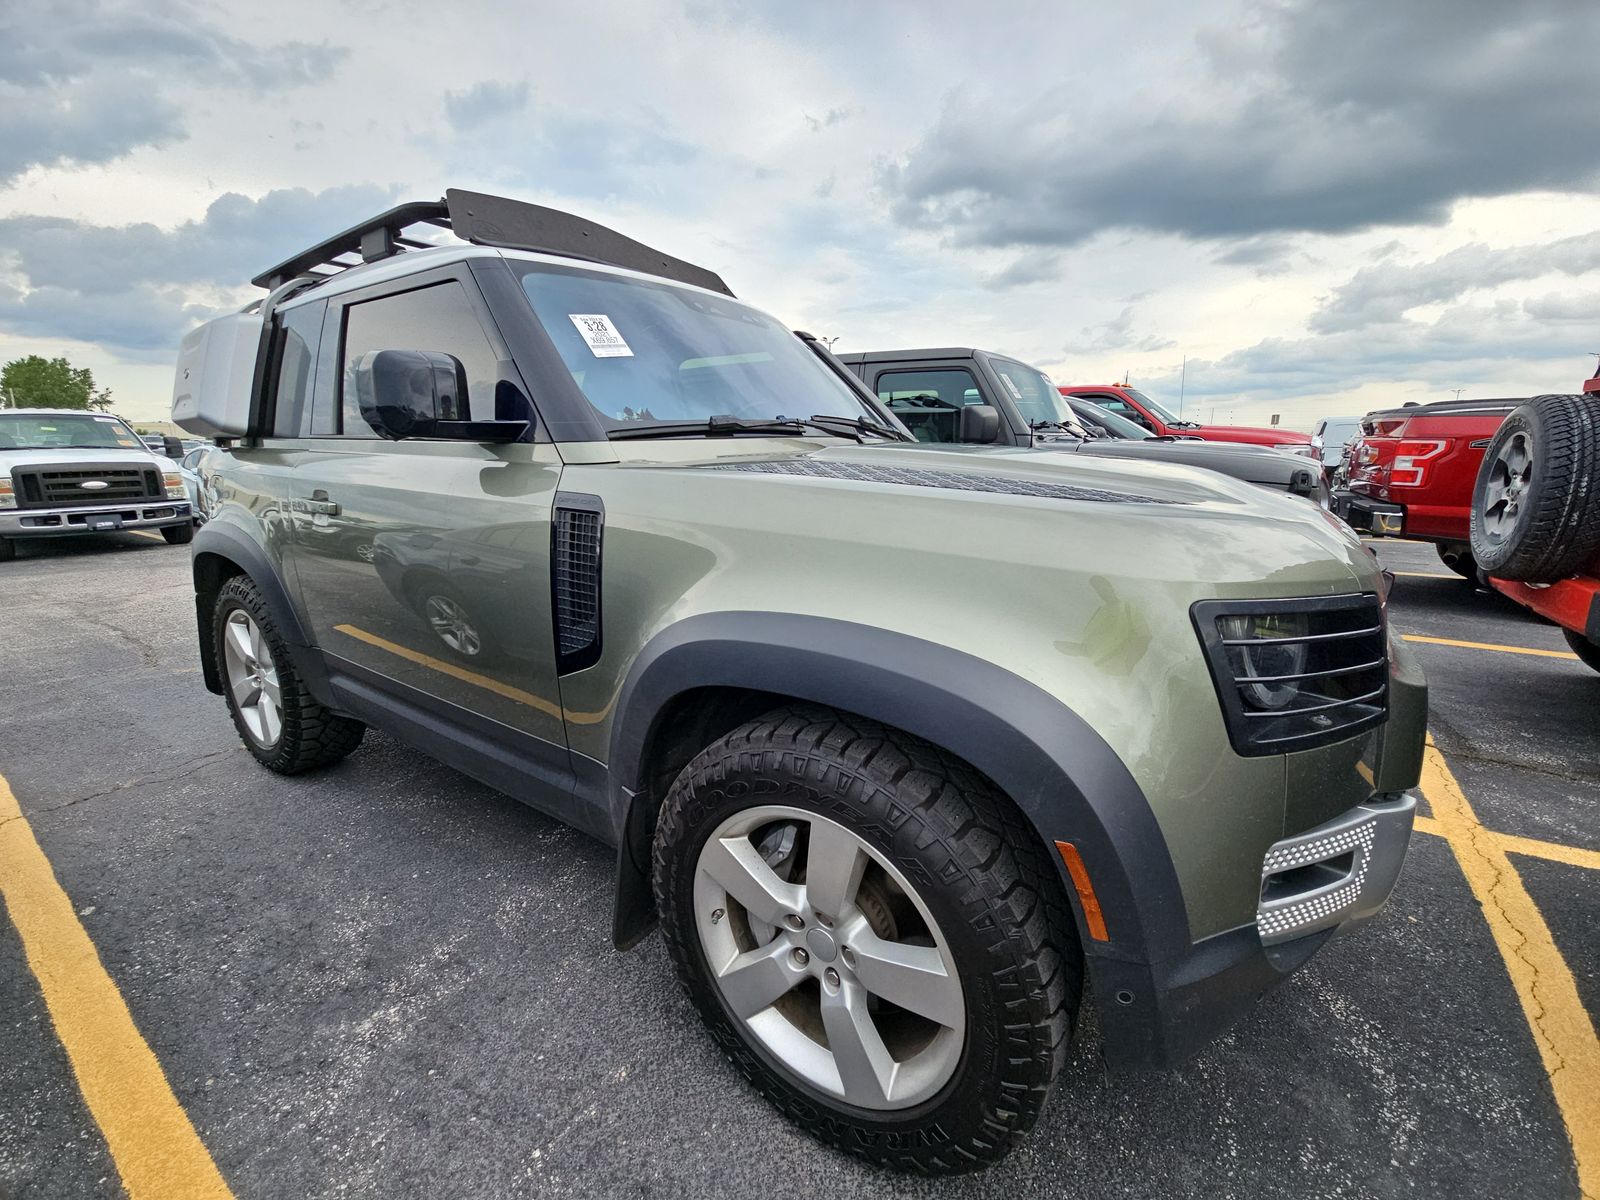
[(1557, 528), (1588, 653), (312, 736), (980, 868), (8, 550), (178, 535), (1458, 557)]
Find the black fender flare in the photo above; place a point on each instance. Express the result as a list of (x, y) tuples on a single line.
[(220, 551), (1068, 783)]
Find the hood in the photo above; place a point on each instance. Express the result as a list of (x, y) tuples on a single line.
[(901, 507), (1253, 464), (100, 456), (1254, 433)]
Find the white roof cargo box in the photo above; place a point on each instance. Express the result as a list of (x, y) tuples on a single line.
[(216, 370)]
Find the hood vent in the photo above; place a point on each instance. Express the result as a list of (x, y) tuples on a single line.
[(937, 477)]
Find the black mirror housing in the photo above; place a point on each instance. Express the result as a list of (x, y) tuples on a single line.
[(406, 393), (980, 423), (171, 447)]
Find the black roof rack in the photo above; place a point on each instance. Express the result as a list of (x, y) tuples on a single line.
[(486, 221)]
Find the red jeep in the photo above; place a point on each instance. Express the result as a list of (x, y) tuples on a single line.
[(1412, 471), (1536, 513), (1140, 409)]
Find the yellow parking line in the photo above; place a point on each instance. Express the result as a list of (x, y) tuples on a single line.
[(1573, 856), (155, 1148), (1543, 982), (488, 683), (145, 533), (446, 668), (1427, 575), (1439, 641)]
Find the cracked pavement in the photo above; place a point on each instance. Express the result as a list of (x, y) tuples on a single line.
[(384, 979)]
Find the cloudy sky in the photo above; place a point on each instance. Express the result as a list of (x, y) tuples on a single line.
[(1326, 206)]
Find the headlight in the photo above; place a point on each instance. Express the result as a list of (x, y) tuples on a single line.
[(8, 497), (1293, 674), (1268, 661), (173, 482)]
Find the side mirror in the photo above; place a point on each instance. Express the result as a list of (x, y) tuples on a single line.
[(171, 447), (422, 394), (980, 423)]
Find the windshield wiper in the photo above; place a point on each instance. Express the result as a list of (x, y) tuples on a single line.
[(1036, 426), (728, 426), (862, 425)]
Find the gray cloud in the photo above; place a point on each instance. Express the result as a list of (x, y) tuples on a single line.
[(483, 102), (1467, 343), (87, 83), (1029, 268), (1313, 116), (1384, 292), (1118, 334), (130, 287)]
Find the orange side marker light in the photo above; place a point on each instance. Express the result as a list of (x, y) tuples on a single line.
[(1092, 916)]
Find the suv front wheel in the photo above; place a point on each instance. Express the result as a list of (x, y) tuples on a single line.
[(277, 719), (872, 934)]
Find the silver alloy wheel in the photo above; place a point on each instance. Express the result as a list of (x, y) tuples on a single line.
[(451, 625), (252, 678), (872, 1018), (1509, 477)]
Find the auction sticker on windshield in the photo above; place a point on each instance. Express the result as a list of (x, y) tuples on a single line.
[(601, 335)]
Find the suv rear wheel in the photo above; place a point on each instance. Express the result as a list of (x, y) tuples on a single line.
[(277, 719), (1588, 653), (872, 934)]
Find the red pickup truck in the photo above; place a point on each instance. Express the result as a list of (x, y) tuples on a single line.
[(1411, 472), (1137, 407), (1536, 513)]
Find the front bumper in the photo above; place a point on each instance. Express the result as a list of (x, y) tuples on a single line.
[(1363, 512), (67, 522), (1314, 884)]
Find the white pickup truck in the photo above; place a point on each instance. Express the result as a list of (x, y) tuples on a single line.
[(64, 473)]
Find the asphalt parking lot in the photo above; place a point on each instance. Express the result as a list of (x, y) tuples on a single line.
[(386, 980)]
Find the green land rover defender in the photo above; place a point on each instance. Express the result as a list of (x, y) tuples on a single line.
[(907, 747)]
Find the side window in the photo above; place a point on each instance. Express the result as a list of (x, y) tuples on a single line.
[(295, 344), (930, 402), (1122, 408), (439, 318)]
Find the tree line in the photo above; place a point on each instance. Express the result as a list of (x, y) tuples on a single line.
[(38, 382)]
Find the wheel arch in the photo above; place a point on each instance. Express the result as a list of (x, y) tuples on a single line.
[(221, 552), (1060, 774)]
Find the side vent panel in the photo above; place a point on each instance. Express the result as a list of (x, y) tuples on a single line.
[(575, 532)]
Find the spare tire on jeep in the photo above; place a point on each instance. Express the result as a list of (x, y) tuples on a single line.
[(1536, 504)]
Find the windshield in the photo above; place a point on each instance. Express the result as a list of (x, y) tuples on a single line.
[(1117, 425), (1035, 396), (1168, 417), (58, 431), (645, 352)]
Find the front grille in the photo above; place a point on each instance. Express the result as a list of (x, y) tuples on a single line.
[(575, 580), (63, 487), (1295, 674)]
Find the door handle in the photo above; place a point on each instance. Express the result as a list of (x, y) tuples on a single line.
[(319, 503), (469, 560)]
